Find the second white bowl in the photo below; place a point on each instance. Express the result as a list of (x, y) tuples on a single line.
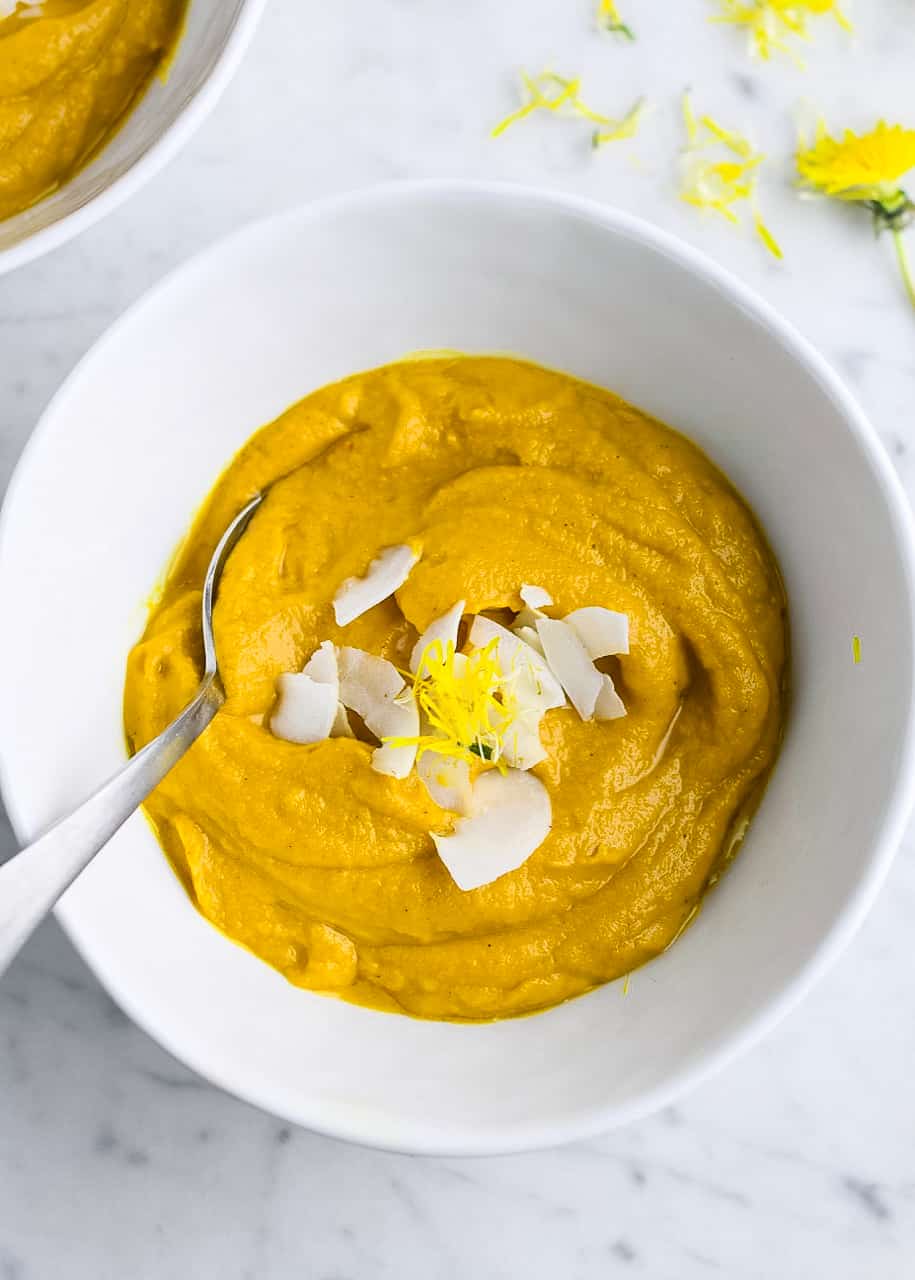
[(215, 36)]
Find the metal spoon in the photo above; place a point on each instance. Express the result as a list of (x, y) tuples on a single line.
[(33, 880)]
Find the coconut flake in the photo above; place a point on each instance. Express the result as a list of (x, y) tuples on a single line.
[(341, 727), (366, 681), (305, 709), (521, 745), (444, 629), (570, 664), (527, 620), (603, 632), (374, 689), (542, 689), (609, 705), (536, 597), (533, 686), (529, 635), (399, 719), (322, 665), (510, 816), (386, 574), (447, 779)]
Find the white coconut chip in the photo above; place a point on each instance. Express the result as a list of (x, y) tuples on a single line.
[(447, 779), (521, 745), (528, 633), (541, 689), (322, 665), (385, 575), (510, 816), (305, 709), (536, 597), (341, 727), (571, 665), (609, 705), (400, 719), (375, 690), (603, 632), (366, 681), (444, 629)]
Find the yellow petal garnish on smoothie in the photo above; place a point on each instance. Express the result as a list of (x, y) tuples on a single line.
[(466, 700), (772, 25), (385, 575), (510, 817), (866, 169), (550, 92), (721, 170)]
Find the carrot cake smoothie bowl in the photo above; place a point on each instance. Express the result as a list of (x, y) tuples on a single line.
[(505, 663)]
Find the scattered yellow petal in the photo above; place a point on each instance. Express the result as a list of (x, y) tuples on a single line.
[(609, 17), (721, 170), (550, 92), (690, 121), (856, 649), (628, 127), (466, 700), (767, 237), (773, 25)]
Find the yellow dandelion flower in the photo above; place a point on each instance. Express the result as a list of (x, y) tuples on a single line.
[(721, 170), (550, 92), (610, 19), (866, 169), (772, 25)]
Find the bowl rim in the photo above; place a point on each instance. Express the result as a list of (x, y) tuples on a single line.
[(154, 158), (536, 1135)]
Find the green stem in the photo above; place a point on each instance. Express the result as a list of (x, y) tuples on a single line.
[(905, 266)]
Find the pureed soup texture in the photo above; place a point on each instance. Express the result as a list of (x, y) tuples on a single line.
[(525, 801), (70, 70)]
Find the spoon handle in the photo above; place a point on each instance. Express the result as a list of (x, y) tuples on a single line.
[(33, 880)]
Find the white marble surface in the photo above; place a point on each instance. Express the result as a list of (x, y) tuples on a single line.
[(114, 1160)]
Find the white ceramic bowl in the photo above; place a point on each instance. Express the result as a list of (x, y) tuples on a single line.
[(216, 35), (135, 439)]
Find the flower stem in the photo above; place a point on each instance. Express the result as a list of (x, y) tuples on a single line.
[(905, 266)]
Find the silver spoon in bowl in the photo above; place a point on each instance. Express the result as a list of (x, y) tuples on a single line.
[(33, 880)]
